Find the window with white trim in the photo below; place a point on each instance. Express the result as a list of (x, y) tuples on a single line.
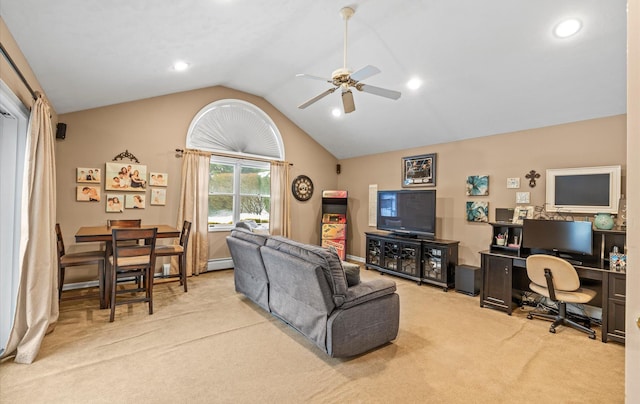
[(238, 190)]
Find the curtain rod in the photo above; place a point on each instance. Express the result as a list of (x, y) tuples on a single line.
[(235, 156), (15, 68)]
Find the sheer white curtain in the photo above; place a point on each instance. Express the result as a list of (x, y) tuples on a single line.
[(37, 303), (279, 220), (194, 207)]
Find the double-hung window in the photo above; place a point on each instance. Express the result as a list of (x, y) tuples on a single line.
[(238, 190)]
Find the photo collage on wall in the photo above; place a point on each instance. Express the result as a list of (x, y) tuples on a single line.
[(125, 186)]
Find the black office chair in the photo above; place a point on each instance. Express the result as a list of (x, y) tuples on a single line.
[(558, 280)]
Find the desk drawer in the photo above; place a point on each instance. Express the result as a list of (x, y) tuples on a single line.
[(617, 286)]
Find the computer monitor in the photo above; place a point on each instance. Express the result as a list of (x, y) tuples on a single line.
[(558, 236)]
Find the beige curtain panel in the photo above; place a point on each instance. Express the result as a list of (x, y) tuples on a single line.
[(279, 221), (194, 207), (37, 305)]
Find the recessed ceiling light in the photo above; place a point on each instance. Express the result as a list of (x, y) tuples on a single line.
[(336, 112), (180, 66), (567, 28), (414, 84)]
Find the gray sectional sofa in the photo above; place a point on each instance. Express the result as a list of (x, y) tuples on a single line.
[(306, 287)]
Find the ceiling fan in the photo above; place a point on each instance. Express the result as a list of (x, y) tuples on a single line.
[(344, 79)]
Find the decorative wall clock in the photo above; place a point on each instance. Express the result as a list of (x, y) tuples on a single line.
[(302, 188)]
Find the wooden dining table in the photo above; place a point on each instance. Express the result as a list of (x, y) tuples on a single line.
[(87, 234)]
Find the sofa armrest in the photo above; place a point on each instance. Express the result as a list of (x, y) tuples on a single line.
[(366, 291)]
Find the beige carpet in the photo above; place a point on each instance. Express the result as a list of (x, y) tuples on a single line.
[(211, 345)]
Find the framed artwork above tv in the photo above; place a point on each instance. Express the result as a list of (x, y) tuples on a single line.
[(583, 190)]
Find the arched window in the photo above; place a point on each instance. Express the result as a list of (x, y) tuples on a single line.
[(239, 186), (235, 127)]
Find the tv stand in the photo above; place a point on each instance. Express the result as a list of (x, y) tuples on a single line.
[(431, 261)]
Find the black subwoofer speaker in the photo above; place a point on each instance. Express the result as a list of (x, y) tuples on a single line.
[(468, 280), (61, 130)]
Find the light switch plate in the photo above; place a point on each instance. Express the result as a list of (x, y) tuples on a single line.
[(522, 197), (513, 182)]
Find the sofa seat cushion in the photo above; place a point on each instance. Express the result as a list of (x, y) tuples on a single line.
[(328, 261)]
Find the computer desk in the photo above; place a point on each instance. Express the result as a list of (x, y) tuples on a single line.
[(504, 279)]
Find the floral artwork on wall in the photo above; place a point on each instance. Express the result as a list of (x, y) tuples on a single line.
[(477, 185), (477, 211)]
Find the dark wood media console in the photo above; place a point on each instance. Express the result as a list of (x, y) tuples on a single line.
[(431, 261)]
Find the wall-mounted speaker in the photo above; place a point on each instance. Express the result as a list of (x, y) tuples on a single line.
[(337, 168), (61, 130)]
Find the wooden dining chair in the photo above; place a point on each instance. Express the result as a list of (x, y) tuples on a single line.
[(132, 260), (179, 250), (124, 222), (84, 258)]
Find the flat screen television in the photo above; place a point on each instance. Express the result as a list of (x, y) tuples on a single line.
[(558, 236), (407, 212), (583, 190)]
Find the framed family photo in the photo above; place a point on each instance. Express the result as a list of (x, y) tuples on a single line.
[(88, 174), (125, 177), (134, 201), (115, 203), (158, 196), (419, 171), (87, 193), (522, 212), (158, 179)]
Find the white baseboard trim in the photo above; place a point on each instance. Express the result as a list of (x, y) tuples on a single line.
[(212, 265), (355, 258), (219, 263)]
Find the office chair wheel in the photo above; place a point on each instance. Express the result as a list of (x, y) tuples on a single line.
[(592, 336), (552, 330), (529, 316)]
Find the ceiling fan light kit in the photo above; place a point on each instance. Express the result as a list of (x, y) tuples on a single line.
[(344, 79)]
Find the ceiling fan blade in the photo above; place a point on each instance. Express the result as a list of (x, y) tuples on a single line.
[(364, 73), (394, 95), (347, 101), (309, 76), (317, 98)]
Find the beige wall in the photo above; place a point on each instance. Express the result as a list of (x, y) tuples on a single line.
[(151, 129), (580, 144)]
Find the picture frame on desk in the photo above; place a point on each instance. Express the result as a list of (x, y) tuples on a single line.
[(522, 212)]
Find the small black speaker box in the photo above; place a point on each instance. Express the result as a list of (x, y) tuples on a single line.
[(61, 130), (468, 280)]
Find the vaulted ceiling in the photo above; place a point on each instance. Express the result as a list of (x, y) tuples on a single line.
[(487, 67)]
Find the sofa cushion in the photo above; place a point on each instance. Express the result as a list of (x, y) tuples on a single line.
[(352, 272), (328, 261), (247, 235)]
